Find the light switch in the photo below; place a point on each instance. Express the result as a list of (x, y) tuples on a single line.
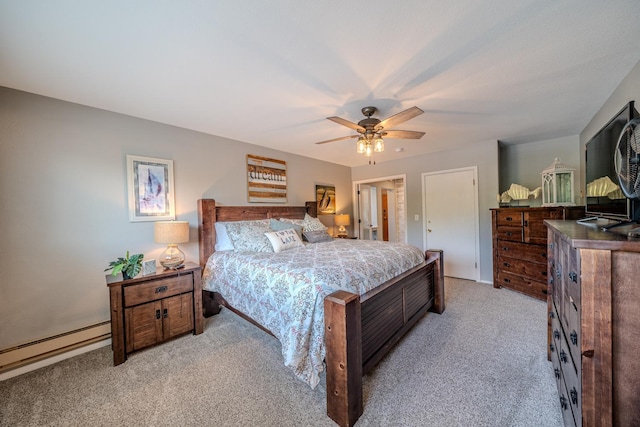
[(417, 217)]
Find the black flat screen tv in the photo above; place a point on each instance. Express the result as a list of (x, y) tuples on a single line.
[(603, 197)]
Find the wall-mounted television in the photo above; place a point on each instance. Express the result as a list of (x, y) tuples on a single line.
[(603, 196)]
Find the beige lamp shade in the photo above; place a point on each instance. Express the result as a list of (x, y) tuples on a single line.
[(171, 232), (343, 219)]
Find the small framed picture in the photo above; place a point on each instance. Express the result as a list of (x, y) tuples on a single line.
[(148, 267), (150, 185)]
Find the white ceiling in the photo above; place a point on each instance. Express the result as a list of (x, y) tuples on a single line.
[(270, 72)]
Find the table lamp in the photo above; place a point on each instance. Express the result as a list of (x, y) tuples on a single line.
[(171, 233), (341, 220)]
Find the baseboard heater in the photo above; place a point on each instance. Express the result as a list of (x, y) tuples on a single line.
[(35, 351)]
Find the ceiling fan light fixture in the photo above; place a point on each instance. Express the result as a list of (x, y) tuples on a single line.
[(368, 150), (378, 145), (361, 145)]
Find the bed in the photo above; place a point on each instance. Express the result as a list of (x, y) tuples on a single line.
[(359, 325)]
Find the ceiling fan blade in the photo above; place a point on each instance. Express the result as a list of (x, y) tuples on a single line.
[(347, 123), (337, 139), (401, 117), (402, 134)]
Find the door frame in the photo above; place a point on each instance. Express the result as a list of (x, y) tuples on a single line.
[(476, 220), (356, 207)]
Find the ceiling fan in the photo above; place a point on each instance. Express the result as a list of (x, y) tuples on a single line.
[(372, 130)]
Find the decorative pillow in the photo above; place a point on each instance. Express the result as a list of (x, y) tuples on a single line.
[(312, 224), (299, 222), (317, 236), (282, 225), (248, 236), (284, 239), (223, 243)]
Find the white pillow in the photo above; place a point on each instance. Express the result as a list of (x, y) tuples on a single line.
[(284, 239), (223, 243)]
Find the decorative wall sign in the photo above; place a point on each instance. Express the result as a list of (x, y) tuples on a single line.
[(266, 180), (326, 199), (150, 185)]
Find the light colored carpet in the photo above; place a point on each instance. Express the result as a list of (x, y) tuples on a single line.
[(481, 363)]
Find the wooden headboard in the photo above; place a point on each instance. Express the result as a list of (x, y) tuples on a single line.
[(209, 213)]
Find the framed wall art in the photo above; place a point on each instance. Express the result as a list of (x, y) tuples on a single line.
[(150, 185), (326, 199), (266, 180)]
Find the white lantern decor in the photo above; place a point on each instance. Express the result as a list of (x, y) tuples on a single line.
[(557, 185)]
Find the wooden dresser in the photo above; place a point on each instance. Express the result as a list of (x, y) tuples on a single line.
[(594, 314), (520, 247)]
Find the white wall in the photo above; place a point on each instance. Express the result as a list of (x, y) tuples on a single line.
[(64, 203), (522, 164), (482, 154)]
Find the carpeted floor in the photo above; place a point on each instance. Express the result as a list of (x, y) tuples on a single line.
[(481, 363)]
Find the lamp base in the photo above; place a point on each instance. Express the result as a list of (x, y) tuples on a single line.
[(172, 258), (342, 231)]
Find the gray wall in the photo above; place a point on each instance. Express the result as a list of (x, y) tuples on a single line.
[(627, 90), (522, 164), (64, 203), (484, 155)]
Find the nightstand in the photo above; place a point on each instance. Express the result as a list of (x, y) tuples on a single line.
[(346, 237), (148, 310)]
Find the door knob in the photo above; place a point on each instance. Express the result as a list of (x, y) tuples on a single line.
[(429, 230)]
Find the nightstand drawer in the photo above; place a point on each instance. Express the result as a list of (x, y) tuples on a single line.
[(157, 289)]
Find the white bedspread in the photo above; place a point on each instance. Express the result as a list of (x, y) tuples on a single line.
[(284, 291)]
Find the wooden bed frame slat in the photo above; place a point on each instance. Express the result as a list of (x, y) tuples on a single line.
[(352, 322)]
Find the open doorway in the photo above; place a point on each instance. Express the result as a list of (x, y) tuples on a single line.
[(380, 209)]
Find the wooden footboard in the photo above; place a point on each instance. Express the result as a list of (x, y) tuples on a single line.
[(359, 331)]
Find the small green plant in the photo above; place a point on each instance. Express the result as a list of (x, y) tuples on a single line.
[(129, 266)]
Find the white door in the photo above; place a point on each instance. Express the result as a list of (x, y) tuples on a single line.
[(368, 212), (451, 219)]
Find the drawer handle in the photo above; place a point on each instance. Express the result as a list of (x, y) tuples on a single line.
[(509, 233), (509, 218), (505, 280), (574, 337), (157, 314), (588, 353), (574, 396), (573, 276), (161, 289), (504, 248), (556, 371), (526, 223), (165, 313), (563, 356), (556, 334), (506, 264)]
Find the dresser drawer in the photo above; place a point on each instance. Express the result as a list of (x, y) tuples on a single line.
[(523, 251), (534, 271), (504, 217), (523, 284), (157, 289), (505, 232)]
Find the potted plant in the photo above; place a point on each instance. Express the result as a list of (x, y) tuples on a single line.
[(129, 266)]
